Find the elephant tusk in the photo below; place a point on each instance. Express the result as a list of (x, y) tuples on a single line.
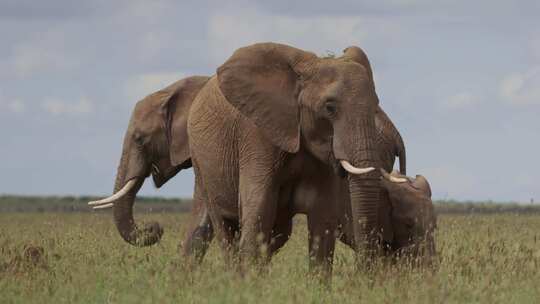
[(353, 170), (109, 205), (109, 201), (398, 179), (393, 178)]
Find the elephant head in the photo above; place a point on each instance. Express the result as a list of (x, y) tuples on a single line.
[(389, 144), (155, 143), (325, 106), (413, 217)]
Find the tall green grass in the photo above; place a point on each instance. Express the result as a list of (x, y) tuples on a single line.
[(482, 259)]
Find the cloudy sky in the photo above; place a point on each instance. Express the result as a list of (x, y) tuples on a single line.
[(461, 80)]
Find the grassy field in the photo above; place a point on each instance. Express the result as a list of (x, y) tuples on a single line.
[(483, 258)]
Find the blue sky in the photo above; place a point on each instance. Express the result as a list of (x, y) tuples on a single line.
[(461, 80)]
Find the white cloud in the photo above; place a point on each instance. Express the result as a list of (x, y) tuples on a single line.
[(60, 107), (521, 88), (139, 86), (461, 100), (16, 106), (11, 105), (44, 52), (228, 31)]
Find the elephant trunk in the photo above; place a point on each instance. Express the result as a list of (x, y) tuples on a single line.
[(365, 197), (364, 189), (123, 211)]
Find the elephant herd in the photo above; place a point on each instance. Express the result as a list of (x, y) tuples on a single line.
[(276, 132)]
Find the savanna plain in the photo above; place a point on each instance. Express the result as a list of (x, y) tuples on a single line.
[(482, 258)]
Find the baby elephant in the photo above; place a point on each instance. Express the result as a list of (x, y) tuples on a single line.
[(412, 217)]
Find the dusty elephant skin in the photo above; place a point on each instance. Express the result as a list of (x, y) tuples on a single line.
[(402, 216), (155, 143), (170, 106), (276, 119), (413, 217)]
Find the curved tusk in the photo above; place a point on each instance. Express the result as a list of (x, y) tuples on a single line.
[(398, 179), (108, 202), (393, 178), (353, 170), (109, 205)]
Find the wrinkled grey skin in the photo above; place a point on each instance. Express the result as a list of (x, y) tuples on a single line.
[(413, 216), (153, 119), (164, 113), (155, 143), (266, 136), (406, 222)]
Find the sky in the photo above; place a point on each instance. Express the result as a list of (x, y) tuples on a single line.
[(460, 79)]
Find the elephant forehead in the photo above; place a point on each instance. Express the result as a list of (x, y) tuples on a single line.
[(343, 70)]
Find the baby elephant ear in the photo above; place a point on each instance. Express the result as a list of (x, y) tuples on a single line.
[(422, 184), (175, 114), (262, 82)]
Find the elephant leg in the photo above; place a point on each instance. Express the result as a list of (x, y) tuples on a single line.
[(322, 241), (258, 207), (227, 232), (213, 202), (280, 234), (199, 237), (201, 231), (323, 225)]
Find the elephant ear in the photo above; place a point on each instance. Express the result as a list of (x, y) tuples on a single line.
[(262, 81), (175, 114), (421, 183), (356, 54)]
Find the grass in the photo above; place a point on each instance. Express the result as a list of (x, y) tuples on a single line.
[(483, 258)]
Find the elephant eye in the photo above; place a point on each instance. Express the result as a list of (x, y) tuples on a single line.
[(138, 139), (330, 108)]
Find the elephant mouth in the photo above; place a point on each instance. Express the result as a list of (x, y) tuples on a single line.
[(160, 177), (338, 169)]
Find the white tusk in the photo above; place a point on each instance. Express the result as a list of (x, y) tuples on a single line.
[(398, 179), (104, 203), (352, 169), (392, 178), (109, 205)]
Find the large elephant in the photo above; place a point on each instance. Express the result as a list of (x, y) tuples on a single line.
[(164, 113), (172, 104), (389, 146), (406, 220), (274, 119), (155, 143)]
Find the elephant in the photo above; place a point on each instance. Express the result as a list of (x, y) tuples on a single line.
[(413, 215), (412, 218), (155, 143), (176, 100), (390, 145), (273, 121), (165, 113), (406, 220)]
